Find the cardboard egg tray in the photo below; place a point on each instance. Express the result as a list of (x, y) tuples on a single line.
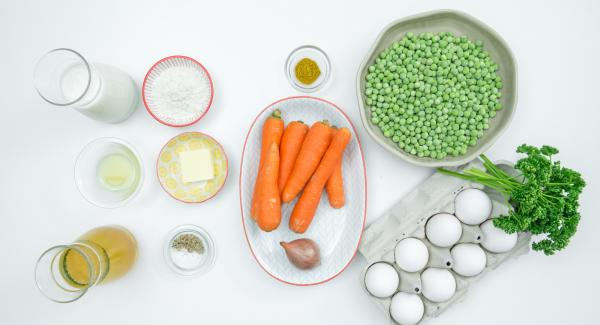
[(407, 218)]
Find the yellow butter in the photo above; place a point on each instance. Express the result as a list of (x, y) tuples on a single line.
[(196, 165)]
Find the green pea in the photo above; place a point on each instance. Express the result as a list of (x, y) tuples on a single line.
[(433, 94)]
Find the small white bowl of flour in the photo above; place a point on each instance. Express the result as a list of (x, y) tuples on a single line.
[(177, 91)]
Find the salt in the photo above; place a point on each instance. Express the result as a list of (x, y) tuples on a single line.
[(186, 260), (180, 94)]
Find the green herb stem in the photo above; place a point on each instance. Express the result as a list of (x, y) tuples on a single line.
[(545, 204)]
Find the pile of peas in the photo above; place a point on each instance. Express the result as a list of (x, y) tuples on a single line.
[(433, 94)]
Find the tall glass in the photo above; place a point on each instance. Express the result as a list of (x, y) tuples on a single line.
[(102, 92), (64, 273)]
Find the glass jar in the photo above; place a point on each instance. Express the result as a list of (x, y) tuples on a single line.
[(64, 273), (102, 92)]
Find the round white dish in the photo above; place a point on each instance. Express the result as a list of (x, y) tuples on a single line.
[(183, 65), (336, 231)]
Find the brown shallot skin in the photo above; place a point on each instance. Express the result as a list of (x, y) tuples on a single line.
[(303, 253)]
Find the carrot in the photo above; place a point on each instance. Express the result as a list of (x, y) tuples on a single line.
[(269, 202), (292, 139), (305, 208), (271, 133), (335, 186), (315, 144)]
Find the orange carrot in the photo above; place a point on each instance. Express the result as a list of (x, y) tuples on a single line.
[(335, 186), (305, 208), (292, 139), (315, 144), (269, 202), (271, 133)]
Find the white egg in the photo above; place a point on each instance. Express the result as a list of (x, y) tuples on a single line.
[(382, 280), (406, 308), (469, 259), (495, 239), (411, 255), (472, 206), (438, 285), (443, 230)]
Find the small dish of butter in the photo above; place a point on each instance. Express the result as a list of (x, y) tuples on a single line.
[(192, 167)]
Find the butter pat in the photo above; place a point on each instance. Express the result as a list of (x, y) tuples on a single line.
[(196, 165)]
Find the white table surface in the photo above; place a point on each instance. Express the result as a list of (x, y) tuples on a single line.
[(244, 46)]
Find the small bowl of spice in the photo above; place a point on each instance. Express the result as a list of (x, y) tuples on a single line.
[(177, 91), (308, 68), (189, 250)]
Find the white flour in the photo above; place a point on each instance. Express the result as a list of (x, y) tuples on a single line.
[(180, 94)]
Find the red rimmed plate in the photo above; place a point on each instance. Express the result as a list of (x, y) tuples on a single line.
[(336, 231)]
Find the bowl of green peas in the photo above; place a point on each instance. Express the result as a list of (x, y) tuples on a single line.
[(438, 88)]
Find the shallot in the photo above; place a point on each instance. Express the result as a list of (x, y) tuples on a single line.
[(303, 253)]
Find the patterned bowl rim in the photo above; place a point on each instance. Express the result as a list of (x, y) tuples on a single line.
[(365, 184), (480, 147), (172, 57), (226, 166)]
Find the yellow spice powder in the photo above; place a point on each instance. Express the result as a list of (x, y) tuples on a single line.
[(307, 71)]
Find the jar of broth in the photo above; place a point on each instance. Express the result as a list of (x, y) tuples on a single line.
[(64, 273)]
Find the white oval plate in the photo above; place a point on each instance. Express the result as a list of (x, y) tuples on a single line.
[(336, 231)]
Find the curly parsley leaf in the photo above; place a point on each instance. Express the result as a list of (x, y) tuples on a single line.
[(545, 196)]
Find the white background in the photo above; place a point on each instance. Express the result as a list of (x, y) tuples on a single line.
[(244, 46)]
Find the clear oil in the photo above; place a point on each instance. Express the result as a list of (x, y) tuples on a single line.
[(116, 172)]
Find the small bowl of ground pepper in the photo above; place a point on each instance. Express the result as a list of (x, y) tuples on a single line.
[(308, 68), (189, 250)]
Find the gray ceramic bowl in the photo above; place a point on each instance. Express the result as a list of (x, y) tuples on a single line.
[(459, 24)]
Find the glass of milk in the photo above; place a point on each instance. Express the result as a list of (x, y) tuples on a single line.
[(102, 92)]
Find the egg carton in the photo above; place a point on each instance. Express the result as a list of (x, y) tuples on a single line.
[(407, 218)]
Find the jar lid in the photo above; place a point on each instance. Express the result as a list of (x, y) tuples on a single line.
[(189, 250)]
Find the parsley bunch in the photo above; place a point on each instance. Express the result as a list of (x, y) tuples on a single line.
[(545, 196)]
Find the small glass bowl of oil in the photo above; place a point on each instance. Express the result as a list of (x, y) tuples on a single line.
[(108, 172)]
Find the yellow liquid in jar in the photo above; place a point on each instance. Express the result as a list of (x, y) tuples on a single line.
[(116, 172), (112, 251)]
